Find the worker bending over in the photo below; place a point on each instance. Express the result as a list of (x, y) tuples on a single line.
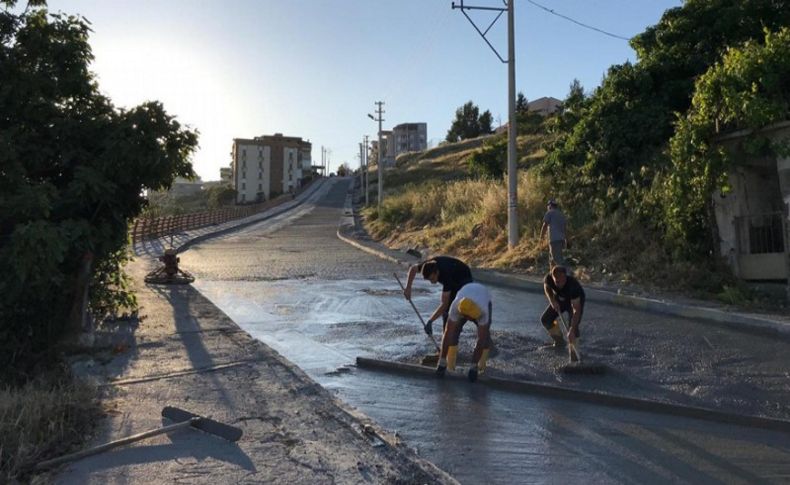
[(565, 294), (473, 302), (452, 273)]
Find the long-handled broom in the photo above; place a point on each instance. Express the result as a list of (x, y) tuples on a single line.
[(428, 359)]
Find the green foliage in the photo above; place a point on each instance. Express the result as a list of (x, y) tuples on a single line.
[(612, 147), (748, 89), (343, 170), (490, 161), (220, 196), (522, 105), (73, 171), (469, 123)]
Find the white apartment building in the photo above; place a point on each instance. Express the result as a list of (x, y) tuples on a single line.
[(269, 165)]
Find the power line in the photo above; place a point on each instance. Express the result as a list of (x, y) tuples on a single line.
[(577, 22)]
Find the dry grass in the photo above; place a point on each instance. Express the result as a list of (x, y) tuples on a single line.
[(42, 419), (441, 210)]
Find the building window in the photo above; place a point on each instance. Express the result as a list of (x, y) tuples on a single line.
[(244, 154), (243, 198), (243, 186), (289, 177), (244, 164), (260, 175), (244, 174), (260, 187)]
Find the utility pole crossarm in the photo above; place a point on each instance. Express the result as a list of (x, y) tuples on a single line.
[(512, 175), (501, 10)]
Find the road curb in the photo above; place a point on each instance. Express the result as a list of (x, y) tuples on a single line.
[(738, 321), (606, 399)]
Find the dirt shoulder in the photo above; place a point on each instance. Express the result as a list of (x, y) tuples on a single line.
[(184, 352)]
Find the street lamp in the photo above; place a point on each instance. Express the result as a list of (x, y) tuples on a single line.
[(380, 161)]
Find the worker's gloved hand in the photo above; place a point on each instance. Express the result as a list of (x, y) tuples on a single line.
[(428, 327)]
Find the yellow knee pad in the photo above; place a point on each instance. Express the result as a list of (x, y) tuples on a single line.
[(555, 331), (452, 355)]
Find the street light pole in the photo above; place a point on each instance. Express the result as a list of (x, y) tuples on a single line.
[(367, 173), (380, 163)]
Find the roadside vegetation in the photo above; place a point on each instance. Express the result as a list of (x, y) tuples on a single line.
[(74, 168), (48, 416), (213, 196), (633, 164)]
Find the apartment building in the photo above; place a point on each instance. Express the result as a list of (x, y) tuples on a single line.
[(409, 137), (544, 106), (269, 165)]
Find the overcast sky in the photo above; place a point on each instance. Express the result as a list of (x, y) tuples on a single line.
[(314, 68)]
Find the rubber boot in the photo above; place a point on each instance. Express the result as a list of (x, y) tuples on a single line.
[(472, 373), (452, 355), (441, 367)]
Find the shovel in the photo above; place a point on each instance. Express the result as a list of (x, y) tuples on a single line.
[(183, 419)]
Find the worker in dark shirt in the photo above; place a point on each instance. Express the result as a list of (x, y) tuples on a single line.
[(565, 294), (452, 273)]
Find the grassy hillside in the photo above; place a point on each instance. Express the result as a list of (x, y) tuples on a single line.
[(433, 203)]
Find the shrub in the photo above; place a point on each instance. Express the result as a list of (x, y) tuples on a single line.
[(490, 161)]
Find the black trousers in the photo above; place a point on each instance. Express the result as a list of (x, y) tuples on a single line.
[(549, 315)]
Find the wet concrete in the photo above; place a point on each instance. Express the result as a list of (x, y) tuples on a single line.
[(319, 302)]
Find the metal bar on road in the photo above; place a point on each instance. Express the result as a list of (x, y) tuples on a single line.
[(592, 397)]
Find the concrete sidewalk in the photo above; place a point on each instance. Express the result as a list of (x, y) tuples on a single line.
[(350, 231), (184, 352)]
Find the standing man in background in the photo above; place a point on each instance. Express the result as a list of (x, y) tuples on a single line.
[(452, 273), (554, 221)]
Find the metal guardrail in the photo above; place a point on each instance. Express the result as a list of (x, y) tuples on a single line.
[(156, 227), (761, 233)]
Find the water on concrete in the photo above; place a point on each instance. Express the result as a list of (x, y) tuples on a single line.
[(321, 303)]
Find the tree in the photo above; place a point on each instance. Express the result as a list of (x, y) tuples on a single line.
[(629, 119), (469, 123), (485, 122), (748, 89), (343, 170), (522, 105), (617, 147), (73, 169), (220, 196)]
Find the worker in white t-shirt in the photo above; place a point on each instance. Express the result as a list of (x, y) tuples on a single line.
[(473, 302)]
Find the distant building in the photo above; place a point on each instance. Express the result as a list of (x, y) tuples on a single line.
[(409, 137), (183, 187), (226, 174), (544, 106), (269, 165)]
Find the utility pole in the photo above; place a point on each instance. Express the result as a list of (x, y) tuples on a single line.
[(361, 165), (367, 173), (380, 163), (512, 175), (323, 169)]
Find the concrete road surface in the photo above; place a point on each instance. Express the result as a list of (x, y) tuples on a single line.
[(318, 301)]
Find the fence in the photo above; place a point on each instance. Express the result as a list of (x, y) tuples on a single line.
[(761, 233), (156, 227)]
